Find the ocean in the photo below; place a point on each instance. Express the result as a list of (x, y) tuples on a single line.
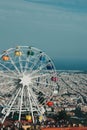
[(71, 65)]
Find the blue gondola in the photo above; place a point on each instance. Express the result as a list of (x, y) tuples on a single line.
[(42, 58), (50, 66)]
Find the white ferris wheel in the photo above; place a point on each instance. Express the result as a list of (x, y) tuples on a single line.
[(27, 81)]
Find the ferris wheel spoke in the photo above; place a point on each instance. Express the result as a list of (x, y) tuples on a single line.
[(40, 76), (22, 93), (47, 94), (6, 83), (7, 90), (8, 76), (39, 89), (31, 107), (12, 62), (33, 65), (42, 83), (34, 100), (36, 62), (19, 53), (7, 87), (26, 64), (38, 70), (21, 67), (8, 69), (13, 96)]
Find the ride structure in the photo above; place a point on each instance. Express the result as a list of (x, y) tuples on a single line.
[(27, 82)]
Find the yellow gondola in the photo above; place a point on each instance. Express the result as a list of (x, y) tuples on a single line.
[(40, 118), (28, 117), (18, 53)]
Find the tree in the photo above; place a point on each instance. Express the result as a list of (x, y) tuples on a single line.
[(63, 116), (78, 112)]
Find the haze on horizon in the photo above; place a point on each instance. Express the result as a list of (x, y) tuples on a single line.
[(58, 27)]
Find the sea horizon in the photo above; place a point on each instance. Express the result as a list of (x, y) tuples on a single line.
[(80, 65)]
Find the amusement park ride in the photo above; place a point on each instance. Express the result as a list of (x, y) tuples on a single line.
[(28, 81)]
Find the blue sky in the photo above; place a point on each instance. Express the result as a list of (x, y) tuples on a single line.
[(58, 27)]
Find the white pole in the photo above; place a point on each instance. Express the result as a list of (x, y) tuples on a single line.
[(30, 103), (10, 106), (21, 103)]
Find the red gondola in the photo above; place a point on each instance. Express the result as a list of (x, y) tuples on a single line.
[(55, 79), (50, 103)]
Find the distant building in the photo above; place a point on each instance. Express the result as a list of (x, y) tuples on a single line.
[(70, 108), (84, 108)]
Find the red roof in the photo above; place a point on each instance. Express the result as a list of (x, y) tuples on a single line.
[(68, 128)]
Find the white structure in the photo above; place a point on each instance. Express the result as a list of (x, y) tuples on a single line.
[(25, 81)]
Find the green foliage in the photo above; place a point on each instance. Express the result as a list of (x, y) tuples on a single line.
[(62, 115), (79, 113)]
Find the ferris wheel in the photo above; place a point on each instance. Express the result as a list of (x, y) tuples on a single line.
[(27, 81)]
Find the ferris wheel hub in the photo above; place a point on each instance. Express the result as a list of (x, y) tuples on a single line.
[(25, 80)]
